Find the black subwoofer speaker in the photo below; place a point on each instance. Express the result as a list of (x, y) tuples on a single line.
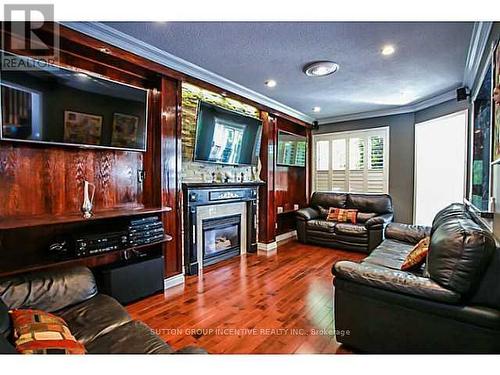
[(131, 280)]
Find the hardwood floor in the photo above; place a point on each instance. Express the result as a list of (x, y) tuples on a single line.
[(256, 303)]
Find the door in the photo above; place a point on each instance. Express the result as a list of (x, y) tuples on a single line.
[(440, 165)]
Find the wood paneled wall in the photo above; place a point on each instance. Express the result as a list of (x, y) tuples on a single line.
[(267, 208), (291, 183), (48, 180), (37, 180)]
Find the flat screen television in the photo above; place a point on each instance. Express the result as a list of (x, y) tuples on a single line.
[(292, 149), (226, 137), (54, 105)]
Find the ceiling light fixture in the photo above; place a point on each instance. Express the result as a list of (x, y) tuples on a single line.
[(320, 68), (105, 50), (388, 50), (270, 83), (316, 109)]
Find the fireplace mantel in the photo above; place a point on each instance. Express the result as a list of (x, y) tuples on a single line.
[(192, 185), (204, 201)]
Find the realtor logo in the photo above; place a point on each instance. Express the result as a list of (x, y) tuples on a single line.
[(29, 30)]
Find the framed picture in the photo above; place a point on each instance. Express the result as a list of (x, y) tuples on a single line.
[(125, 129), (82, 128), (496, 102)]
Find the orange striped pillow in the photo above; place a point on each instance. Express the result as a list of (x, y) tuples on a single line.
[(417, 255), (38, 332)]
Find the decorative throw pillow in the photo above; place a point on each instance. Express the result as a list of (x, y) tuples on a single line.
[(417, 256), (342, 215), (38, 332)]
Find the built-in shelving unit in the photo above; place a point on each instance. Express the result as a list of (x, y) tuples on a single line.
[(36, 264), (14, 222)]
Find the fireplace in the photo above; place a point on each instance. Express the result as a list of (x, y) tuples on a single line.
[(221, 238), (220, 222)]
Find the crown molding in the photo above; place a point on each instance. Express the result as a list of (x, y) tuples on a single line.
[(126, 42), (477, 45), (418, 106)]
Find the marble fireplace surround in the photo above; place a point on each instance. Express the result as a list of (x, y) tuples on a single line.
[(203, 201), (217, 211)]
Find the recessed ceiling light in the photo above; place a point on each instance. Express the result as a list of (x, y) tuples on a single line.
[(316, 109), (270, 83), (105, 50), (388, 50), (320, 68)]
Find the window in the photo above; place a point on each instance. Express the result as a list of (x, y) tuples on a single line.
[(339, 155), (359, 161), (323, 151)]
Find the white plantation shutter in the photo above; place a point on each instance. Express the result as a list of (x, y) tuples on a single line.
[(339, 182), (322, 181), (322, 166), (355, 161)]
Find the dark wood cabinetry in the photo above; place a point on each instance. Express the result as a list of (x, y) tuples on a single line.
[(42, 186)]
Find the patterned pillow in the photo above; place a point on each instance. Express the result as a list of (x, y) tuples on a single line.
[(417, 256), (38, 332), (342, 215)]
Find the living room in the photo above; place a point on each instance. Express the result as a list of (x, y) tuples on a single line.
[(295, 185)]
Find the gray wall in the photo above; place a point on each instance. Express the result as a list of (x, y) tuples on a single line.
[(401, 144), (439, 110)]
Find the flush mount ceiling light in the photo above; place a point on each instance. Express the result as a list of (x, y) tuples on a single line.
[(270, 83), (388, 50), (316, 109), (320, 68), (105, 50)]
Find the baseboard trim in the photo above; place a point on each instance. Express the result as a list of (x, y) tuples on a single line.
[(286, 236), (267, 246), (173, 281)]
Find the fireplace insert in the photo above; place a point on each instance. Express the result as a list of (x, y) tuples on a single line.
[(221, 238)]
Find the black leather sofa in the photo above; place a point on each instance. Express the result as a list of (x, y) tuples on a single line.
[(374, 213), (98, 321), (450, 305)]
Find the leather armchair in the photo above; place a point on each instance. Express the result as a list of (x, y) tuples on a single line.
[(450, 305), (374, 213)]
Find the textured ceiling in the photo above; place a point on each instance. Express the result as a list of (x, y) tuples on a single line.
[(429, 59)]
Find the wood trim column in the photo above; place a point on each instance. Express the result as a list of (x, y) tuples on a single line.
[(309, 165), (267, 207), (170, 171)]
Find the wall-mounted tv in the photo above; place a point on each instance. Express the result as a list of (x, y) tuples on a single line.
[(226, 137), (292, 149), (54, 105)]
